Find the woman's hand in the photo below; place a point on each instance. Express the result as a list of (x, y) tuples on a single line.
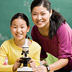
[(16, 65), (41, 68), (43, 62)]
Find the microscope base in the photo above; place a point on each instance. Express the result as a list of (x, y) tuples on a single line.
[(25, 69)]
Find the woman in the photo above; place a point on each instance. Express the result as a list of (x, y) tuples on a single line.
[(12, 48), (54, 35)]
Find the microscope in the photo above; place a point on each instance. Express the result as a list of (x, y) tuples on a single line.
[(25, 59)]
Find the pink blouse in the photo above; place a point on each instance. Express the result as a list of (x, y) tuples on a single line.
[(59, 46)]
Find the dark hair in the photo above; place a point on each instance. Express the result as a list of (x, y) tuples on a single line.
[(44, 3), (22, 16), (56, 19)]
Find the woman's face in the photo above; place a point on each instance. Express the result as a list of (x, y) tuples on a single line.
[(19, 29), (40, 16)]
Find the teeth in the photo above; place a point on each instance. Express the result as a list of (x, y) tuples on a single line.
[(39, 22), (18, 34)]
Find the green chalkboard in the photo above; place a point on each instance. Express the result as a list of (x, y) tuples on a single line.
[(10, 7)]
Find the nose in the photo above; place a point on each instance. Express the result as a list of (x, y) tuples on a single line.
[(39, 17), (18, 29)]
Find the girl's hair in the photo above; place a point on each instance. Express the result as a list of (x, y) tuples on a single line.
[(22, 16), (55, 20)]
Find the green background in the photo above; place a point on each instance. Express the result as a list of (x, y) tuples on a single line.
[(10, 7)]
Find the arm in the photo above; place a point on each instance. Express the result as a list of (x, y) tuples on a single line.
[(4, 51), (35, 53), (37, 56), (64, 38), (58, 64), (55, 66), (3, 54), (4, 68)]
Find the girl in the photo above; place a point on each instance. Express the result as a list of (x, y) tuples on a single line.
[(12, 48)]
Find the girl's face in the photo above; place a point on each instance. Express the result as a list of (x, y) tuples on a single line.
[(19, 29), (41, 16)]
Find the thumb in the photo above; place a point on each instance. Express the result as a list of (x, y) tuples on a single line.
[(43, 62)]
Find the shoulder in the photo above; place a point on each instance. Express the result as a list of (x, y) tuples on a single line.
[(64, 28), (64, 33), (6, 45), (34, 29), (34, 33), (7, 42), (36, 45)]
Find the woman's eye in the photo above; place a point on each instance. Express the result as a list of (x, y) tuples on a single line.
[(34, 14), (22, 27)]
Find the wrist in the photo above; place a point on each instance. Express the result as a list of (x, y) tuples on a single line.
[(48, 68), (13, 69)]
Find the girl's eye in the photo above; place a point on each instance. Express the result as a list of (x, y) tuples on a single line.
[(43, 14), (14, 27)]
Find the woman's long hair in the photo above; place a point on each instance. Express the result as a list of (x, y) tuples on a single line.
[(55, 21)]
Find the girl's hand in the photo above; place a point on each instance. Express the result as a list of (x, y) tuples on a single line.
[(32, 63), (16, 65)]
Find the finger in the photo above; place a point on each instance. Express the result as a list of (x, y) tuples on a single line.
[(37, 69), (32, 60), (32, 64), (45, 62), (18, 60)]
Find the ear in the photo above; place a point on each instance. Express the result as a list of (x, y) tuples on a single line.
[(28, 28), (10, 27), (51, 13)]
